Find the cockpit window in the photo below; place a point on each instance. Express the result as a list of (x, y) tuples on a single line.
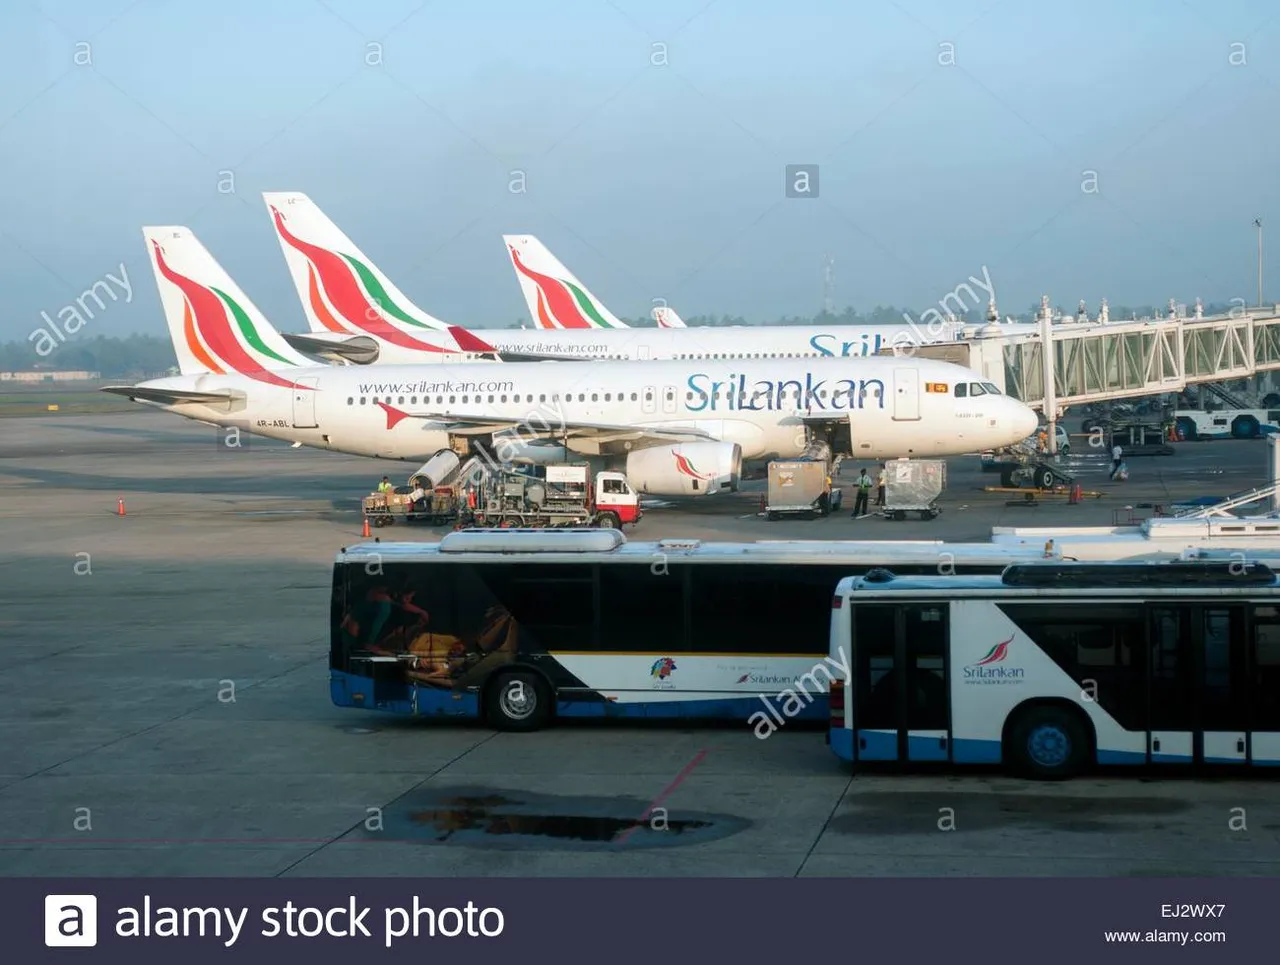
[(976, 388), (990, 388), (962, 390)]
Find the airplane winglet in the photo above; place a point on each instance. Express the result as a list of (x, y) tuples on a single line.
[(469, 342)]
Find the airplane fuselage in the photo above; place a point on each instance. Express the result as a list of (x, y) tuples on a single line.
[(890, 406), (700, 343)]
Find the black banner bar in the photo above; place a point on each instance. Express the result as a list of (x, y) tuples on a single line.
[(634, 920)]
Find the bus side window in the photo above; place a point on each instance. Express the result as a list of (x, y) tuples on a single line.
[(397, 611), (1102, 648), (553, 605), (1265, 699), (926, 636), (642, 609)]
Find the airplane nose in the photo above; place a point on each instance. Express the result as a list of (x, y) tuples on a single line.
[(1024, 420)]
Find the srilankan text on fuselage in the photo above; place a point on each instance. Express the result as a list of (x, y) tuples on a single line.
[(705, 393), (737, 394)]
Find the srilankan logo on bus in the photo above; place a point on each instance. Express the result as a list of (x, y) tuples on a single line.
[(986, 671)]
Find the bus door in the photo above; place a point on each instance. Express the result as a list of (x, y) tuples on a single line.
[(1264, 686), (1199, 700), (900, 695)]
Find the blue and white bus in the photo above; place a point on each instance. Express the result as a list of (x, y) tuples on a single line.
[(518, 627), (1053, 667)]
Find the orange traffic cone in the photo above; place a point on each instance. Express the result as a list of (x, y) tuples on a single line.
[(120, 506), (366, 534)]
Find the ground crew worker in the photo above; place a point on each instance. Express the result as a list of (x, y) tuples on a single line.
[(883, 478), (385, 486), (864, 490), (1116, 453)]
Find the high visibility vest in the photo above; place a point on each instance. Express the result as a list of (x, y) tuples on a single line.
[(864, 482)]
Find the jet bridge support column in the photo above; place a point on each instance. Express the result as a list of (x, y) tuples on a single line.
[(1047, 356)]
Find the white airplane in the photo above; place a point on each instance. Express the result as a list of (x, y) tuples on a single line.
[(356, 314), (677, 428), (569, 304), (666, 317)]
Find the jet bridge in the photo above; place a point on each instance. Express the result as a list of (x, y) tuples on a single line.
[(1116, 360)]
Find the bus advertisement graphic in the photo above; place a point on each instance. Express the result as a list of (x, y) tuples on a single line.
[(385, 619)]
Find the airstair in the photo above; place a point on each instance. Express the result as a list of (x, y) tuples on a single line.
[(1232, 400), (1238, 501)]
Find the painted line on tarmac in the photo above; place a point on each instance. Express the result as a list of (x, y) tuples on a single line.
[(666, 792)]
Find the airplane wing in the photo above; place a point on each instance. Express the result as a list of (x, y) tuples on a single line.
[(468, 341), (168, 396), (602, 432), (358, 349)]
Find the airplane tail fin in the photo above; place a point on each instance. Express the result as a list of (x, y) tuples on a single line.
[(555, 297), (214, 326), (341, 290), (667, 318)]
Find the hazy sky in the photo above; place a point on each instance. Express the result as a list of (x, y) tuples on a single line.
[(653, 135)]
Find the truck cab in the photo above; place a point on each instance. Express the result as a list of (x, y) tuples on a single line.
[(615, 496)]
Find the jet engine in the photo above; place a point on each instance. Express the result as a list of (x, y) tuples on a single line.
[(686, 469)]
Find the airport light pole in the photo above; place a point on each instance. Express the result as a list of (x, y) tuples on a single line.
[(1257, 223)]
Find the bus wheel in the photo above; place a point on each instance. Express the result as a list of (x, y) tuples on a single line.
[(607, 521), (1047, 744), (518, 701)]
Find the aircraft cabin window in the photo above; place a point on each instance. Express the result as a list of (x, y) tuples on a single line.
[(595, 397), (607, 397), (962, 390), (976, 389), (542, 397), (401, 401), (350, 400), (362, 400)]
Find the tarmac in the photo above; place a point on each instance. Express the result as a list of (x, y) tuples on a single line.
[(165, 705)]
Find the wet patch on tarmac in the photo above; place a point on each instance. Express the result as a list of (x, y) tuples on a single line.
[(482, 817), (908, 812)]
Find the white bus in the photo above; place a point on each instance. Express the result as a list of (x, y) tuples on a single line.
[(518, 627), (1054, 667)]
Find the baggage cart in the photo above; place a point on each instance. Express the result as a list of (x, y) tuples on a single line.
[(913, 486)]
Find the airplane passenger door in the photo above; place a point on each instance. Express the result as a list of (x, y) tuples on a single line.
[(648, 404), (669, 399), (304, 403), (906, 394)]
